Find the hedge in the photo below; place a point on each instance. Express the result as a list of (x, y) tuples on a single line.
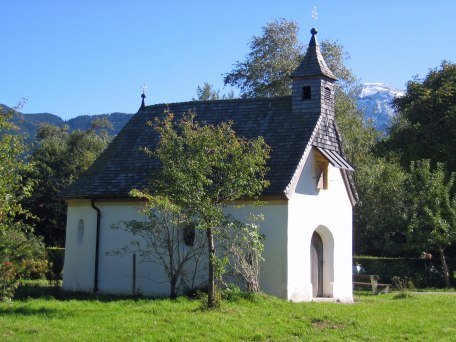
[(423, 273)]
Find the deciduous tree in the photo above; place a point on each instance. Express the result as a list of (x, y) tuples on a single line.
[(58, 159), (426, 123), (18, 245), (203, 167), (432, 213)]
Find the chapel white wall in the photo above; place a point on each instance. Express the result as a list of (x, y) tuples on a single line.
[(273, 272), (329, 212), (115, 271)]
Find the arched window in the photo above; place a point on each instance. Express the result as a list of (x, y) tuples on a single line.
[(80, 232)]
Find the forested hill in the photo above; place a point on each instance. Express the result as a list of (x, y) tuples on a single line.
[(28, 123)]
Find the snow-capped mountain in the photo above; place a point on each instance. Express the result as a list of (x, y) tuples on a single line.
[(375, 100)]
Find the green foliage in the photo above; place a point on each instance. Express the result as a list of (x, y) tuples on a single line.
[(13, 187), (380, 216), (420, 272), (432, 214), (56, 257), (426, 124), (203, 167), (58, 159), (20, 252), (207, 92), (432, 205), (272, 58)]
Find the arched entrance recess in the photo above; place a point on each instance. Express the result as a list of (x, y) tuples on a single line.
[(322, 262)]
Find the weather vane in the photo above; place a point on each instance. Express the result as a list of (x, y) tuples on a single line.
[(315, 15)]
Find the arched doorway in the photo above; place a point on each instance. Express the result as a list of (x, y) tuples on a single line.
[(316, 265)]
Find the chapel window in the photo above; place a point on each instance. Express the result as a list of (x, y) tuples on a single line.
[(306, 93), (188, 233), (321, 172)]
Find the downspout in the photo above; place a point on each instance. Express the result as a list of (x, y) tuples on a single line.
[(97, 247)]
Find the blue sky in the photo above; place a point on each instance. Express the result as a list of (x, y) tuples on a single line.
[(91, 57)]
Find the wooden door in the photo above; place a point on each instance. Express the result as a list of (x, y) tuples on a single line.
[(316, 265)]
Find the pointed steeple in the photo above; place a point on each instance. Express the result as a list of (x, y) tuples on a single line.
[(143, 96), (313, 64)]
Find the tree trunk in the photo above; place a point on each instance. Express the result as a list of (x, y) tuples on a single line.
[(173, 293), (211, 284), (446, 273)]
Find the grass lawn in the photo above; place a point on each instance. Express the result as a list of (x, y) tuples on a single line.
[(78, 317)]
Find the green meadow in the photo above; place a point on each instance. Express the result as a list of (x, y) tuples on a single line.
[(74, 317)]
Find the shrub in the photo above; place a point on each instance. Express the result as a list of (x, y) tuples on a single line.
[(56, 257), (21, 255), (422, 273)]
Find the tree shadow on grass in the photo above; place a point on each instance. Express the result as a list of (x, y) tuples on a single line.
[(27, 311), (42, 291)]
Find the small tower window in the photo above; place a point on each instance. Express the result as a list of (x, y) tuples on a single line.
[(327, 95), (306, 94)]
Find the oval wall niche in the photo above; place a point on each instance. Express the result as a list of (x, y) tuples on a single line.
[(80, 231)]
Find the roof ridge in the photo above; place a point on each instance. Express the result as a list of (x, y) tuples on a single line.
[(240, 100)]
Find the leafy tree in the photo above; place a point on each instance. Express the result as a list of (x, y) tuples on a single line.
[(275, 55), (380, 219), (19, 248), (207, 92), (272, 58), (426, 124), (204, 167), (432, 211), (58, 159)]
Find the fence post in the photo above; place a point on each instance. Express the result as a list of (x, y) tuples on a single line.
[(134, 275)]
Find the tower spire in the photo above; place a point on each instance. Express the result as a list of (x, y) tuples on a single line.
[(143, 96), (313, 64)]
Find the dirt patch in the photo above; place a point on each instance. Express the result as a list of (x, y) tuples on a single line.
[(323, 324)]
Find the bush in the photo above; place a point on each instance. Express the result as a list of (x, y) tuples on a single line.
[(422, 273), (56, 256), (22, 255)]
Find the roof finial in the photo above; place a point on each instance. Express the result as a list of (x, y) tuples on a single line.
[(313, 31), (143, 95)]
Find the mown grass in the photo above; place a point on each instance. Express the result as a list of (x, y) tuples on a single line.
[(90, 318)]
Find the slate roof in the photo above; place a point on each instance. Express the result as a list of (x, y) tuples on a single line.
[(124, 166), (313, 64)]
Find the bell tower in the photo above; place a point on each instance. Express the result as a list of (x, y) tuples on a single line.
[(313, 83)]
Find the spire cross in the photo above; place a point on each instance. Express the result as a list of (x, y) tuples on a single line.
[(144, 87), (315, 15)]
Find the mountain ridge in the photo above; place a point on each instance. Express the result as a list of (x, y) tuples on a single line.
[(374, 100)]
